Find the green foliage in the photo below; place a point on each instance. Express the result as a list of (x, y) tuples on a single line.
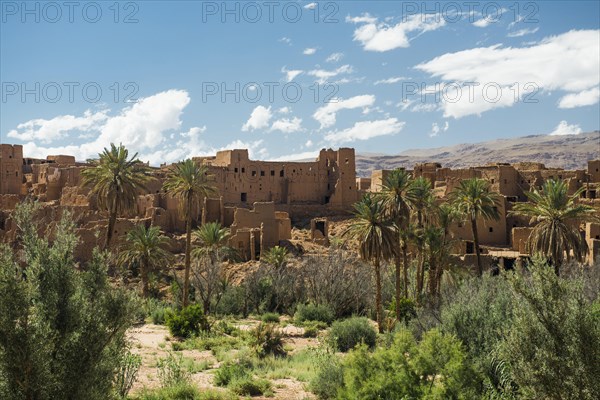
[(408, 309), (233, 302), (127, 373), (187, 322), (267, 339), (172, 371), (228, 372), (270, 317), (435, 368), (249, 386), (310, 331), (276, 257), (329, 376), (184, 391), (314, 312), (62, 331), (346, 334), (553, 345)]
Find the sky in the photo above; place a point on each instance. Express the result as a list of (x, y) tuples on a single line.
[(177, 79)]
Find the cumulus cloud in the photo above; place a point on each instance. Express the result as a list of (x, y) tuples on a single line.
[(259, 119), (365, 130), (141, 127), (309, 51), (563, 128), (436, 129), (334, 57), (287, 125), (481, 23), (323, 75), (326, 115), (533, 67), (380, 37), (583, 98)]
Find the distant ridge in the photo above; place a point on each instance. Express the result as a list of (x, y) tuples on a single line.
[(568, 152)]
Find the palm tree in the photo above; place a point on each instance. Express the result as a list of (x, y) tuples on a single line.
[(556, 216), (438, 243), (189, 182), (474, 199), (422, 201), (395, 197), (115, 180), (277, 257), (145, 247), (209, 277), (376, 240)]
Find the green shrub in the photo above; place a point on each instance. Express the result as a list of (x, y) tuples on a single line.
[(172, 371), (270, 317), (346, 334), (310, 331), (233, 302), (182, 391), (249, 386), (187, 322), (313, 312), (408, 309), (159, 314), (230, 371), (267, 339), (329, 376), (130, 365)]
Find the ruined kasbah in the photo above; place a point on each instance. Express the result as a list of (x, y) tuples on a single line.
[(273, 203)]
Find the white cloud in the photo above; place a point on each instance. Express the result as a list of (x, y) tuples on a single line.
[(482, 23), (326, 115), (308, 143), (390, 81), (259, 119), (142, 127), (583, 98), (310, 6), (365, 130), (382, 37), (291, 74), (435, 129), (309, 51), (284, 110), (563, 128), (577, 69), (335, 57), (523, 32), (286, 40), (49, 130), (307, 155), (323, 75), (287, 125)]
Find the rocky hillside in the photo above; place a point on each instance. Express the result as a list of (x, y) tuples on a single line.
[(568, 152)]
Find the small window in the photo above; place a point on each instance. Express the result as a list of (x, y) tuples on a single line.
[(346, 161), (235, 169), (491, 229), (262, 173), (272, 173), (492, 181), (253, 173), (281, 173), (243, 170), (244, 197)]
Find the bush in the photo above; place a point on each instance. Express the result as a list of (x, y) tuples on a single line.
[(228, 372), (248, 386), (346, 334), (329, 376), (130, 365), (408, 309), (270, 317), (313, 312), (182, 391), (187, 322), (172, 371), (233, 302), (62, 326), (310, 331), (267, 339)]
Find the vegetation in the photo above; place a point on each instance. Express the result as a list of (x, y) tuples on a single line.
[(188, 182), (115, 180), (61, 331), (313, 312), (556, 217), (187, 322), (346, 334), (145, 247)]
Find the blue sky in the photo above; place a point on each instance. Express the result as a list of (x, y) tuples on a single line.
[(185, 78)]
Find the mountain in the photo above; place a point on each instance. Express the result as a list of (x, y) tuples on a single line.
[(568, 152)]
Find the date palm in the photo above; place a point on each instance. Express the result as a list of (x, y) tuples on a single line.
[(556, 216), (396, 199), (147, 248), (277, 257), (213, 242), (188, 182), (115, 179), (474, 199), (422, 201), (376, 240)]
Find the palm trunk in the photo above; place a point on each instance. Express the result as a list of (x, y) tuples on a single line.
[(405, 265), (378, 295), (188, 250), (112, 219), (476, 244), (144, 275)]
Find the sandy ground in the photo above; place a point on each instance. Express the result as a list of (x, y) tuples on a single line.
[(153, 342)]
